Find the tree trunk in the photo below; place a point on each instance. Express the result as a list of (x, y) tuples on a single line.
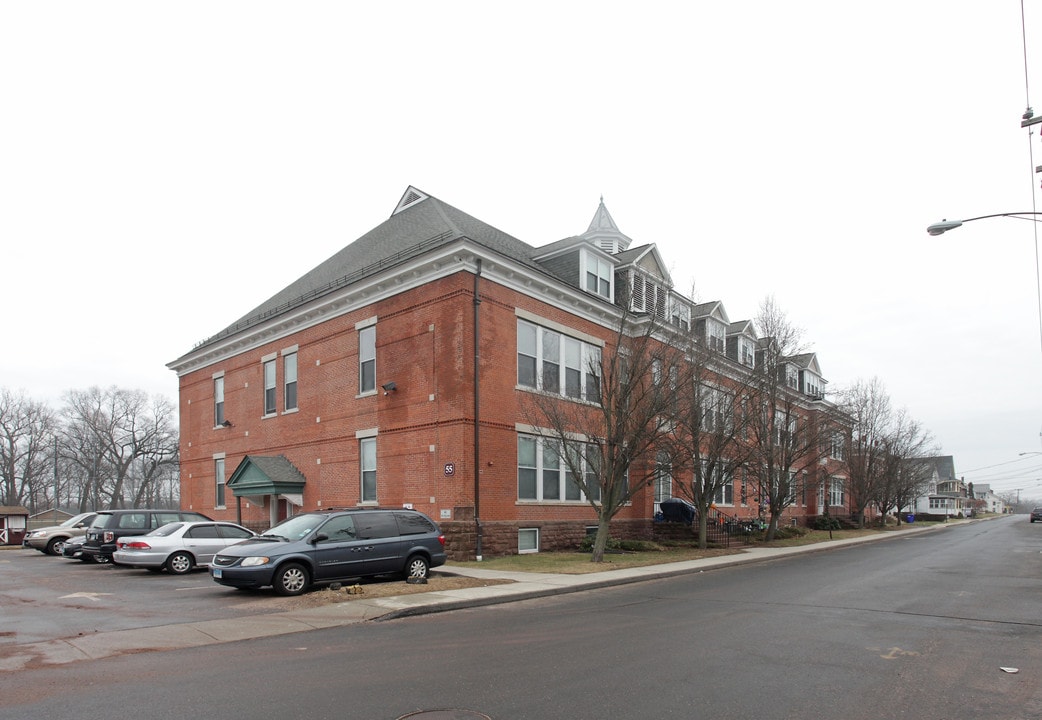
[(601, 540)]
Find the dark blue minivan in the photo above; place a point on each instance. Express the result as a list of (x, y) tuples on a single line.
[(332, 545)]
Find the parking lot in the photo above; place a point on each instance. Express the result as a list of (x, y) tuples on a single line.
[(45, 598)]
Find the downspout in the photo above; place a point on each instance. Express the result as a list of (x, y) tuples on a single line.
[(477, 417)]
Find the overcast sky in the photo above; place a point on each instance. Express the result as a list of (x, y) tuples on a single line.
[(166, 167)]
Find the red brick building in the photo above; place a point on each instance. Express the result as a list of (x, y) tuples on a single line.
[(391, 374)]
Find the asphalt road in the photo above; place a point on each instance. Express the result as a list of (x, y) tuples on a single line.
[(913, 627), (44, 597)]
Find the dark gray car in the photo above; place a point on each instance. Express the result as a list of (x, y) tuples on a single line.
[(331, 545)]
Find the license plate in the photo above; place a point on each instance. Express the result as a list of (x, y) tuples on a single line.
[(217, 572)]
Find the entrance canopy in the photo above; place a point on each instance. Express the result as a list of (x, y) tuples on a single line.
[(260, 475)]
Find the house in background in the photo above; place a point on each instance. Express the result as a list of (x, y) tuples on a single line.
[(393, 374), (943, 493), (987, 500)]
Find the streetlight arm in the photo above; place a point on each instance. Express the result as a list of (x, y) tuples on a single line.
[(946, 225)]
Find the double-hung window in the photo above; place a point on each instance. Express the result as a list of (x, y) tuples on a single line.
[(543, 474), (269, 386), (289, 380), (836, 497), (367, 461), (218, 401), (599, 274), (367, 359), (557, 363), (218, 471), (663, 478)]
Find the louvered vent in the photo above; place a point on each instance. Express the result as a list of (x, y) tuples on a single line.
[(411, 197)]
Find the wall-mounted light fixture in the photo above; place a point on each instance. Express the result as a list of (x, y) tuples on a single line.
[(389, 388)]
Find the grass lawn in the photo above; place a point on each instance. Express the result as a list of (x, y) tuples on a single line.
[(577, 563)]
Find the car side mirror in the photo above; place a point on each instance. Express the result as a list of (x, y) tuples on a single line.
[(321, 537)]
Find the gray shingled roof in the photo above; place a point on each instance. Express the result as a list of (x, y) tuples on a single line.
[(277, 467), (418, 228), (945, 466)]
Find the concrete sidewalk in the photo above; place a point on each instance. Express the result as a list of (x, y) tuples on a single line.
[(524, 587)]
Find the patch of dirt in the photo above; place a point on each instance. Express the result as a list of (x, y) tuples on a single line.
[(381, 587)]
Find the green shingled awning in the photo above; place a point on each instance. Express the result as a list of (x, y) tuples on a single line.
[(265, 475)]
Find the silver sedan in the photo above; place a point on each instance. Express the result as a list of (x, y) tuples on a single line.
[(178, 546)]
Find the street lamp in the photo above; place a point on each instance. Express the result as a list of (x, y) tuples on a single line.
[(945, 225)]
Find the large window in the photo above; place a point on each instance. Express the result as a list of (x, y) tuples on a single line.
[(367, 359), (367, 455), (542, 473), (269, 386), (836, 494), (557, 363), (663, 478), (289, 379), (218, 401), (725, 491), (218, 472)]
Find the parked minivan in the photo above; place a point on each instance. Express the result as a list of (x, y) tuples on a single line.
[(331, 545), (51, 540), (110, 525)]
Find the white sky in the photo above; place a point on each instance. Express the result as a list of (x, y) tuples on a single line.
[(165, 167)]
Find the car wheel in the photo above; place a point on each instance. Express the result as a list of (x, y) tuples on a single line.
[(55, 546), (180, 563), (290, 579), (417, 567)]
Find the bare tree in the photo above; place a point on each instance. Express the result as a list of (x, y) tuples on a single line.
[(120, 440), (785, 434), (905, 451), (607, 443), (867, 405), (710, 428), (26, 449)]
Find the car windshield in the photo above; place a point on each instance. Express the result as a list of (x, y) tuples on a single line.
[(296, 528), (74, 520)]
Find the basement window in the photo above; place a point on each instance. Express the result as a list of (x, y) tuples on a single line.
[(527, 540)]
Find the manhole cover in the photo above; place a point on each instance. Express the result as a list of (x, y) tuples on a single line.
[(453, 714)]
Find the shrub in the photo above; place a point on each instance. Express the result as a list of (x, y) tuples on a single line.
[(586, 544), (790, 531), (822, 522)]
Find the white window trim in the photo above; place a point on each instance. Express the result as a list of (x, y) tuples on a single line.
[(527, 530), (585, 350), (587, 259), (216, 457), (361, 471), (359, 327), (292, 350), (272, 358)]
